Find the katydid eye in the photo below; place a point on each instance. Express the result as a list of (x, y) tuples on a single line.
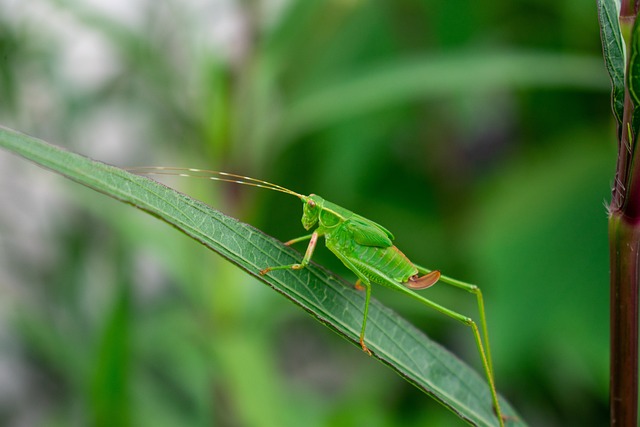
[(311, 204)]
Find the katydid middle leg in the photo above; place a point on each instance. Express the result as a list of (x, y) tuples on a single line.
[(362, 283)]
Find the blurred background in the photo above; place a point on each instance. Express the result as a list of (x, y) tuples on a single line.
[(480, 133)]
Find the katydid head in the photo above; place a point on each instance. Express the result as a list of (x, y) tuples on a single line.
[(311, 210)]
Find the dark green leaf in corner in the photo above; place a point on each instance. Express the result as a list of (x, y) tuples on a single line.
[(614, 54), (336, 304), (634, 78)]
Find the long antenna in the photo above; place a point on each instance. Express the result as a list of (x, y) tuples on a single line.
[(213, 175)]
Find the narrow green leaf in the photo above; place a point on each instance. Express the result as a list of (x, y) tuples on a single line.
[(613, 49), (430, 77), (326, 297), (109, 386)]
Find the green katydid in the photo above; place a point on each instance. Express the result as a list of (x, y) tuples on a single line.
[(365, 248)]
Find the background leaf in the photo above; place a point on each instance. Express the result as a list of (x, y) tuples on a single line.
[(634, 80), (382, 86)]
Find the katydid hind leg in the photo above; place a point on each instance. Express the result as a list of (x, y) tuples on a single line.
[(479, 343), (482, 343), (480, 301), (313, 240)]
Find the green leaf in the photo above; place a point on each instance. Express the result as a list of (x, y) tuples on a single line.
[(420, 78), (613, 49), (109, 386), (634, 78), (326, 297)]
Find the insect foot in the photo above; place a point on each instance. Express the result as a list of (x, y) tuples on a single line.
[(364, 346), (265, 271), (506, 418)]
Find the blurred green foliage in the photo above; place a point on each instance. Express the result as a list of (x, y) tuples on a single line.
[(481, 136)]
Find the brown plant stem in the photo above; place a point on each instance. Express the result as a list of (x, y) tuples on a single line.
[(624, 247), (624, 237)]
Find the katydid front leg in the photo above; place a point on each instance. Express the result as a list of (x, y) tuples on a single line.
[(363, 282), (305, 261), (298, 239)]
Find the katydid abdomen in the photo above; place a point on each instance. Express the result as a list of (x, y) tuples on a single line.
[(373, 262)]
